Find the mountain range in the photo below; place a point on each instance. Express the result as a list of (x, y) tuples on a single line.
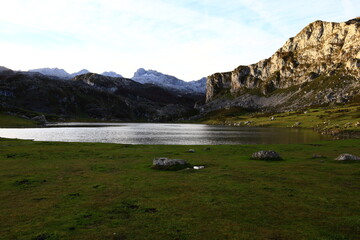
[(141, 76), (61, 73), (91, 95)]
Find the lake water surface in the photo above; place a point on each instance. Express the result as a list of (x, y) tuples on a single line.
[(158, 133)]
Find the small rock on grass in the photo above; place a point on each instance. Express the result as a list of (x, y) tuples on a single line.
[(191, 150), (347, 157), (266, 155), (198, 167), (164, 163)]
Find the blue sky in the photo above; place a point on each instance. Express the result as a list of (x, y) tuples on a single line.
[(188, 39)]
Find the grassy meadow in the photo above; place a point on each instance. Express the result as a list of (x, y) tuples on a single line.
[(344, 118), (14, 121), (51, 190)]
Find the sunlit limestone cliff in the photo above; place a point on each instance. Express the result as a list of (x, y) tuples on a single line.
[(320, 65)]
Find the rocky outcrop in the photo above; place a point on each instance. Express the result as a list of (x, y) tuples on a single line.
[(324, 53)]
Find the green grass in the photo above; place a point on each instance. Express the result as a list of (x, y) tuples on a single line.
[(345, 118), (13, 121), (52, 190)]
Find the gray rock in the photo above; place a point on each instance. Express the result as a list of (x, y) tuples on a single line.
[(296, 124), (347, 157), (169, 164), (40, 118), (191, 150), (266, 155)]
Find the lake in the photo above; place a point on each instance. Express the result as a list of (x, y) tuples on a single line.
[(158, 133)]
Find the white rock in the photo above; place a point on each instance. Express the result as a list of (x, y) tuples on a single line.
[(347, 157)]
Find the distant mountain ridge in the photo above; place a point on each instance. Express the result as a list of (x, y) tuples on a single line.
[(61, 73), (91, 95), (168, 81), (141, 75)]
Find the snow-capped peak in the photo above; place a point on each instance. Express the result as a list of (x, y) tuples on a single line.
[(168, 81)]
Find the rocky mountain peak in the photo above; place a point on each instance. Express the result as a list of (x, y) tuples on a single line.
[(320, 49), (140, 72), (54, 72), (111, 74), (168, 81)]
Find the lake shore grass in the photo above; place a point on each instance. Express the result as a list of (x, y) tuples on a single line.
[(9, 121), (343, 120), (53, 190)]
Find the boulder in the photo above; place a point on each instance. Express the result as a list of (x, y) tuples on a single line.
[(164, 163), (347, 157), (266, 155), (296, 124), (191, 150), (40, 118)]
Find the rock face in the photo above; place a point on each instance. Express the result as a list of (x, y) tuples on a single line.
[(164, 163), (266, 155), (347, 157), (325, 55)]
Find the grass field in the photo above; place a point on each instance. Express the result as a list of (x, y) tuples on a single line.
[(54, 190), (345, 118), (13, 121)]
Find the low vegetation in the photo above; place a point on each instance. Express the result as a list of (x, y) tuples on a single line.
[(52, 190), (14, 121), (328, 120)]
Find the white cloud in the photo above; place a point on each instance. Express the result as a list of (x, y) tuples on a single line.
[(188, 39)]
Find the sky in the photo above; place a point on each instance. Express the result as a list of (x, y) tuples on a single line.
[(189, 39)]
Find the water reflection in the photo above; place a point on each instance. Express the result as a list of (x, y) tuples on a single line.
[(153, 133)]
